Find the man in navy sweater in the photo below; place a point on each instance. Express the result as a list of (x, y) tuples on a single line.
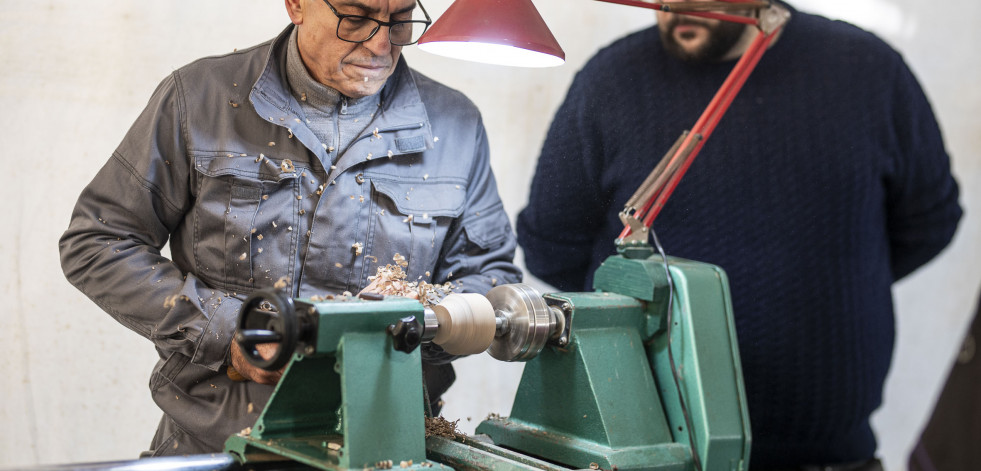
[(825, 182)]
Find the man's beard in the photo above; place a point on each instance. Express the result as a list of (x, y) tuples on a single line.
[(722, 37)]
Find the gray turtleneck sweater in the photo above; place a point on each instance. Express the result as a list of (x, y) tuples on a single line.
[(334, 118)]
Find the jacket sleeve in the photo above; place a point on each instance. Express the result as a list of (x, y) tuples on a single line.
[(923, 211), (479, 249), (558, 228), (124, 217)]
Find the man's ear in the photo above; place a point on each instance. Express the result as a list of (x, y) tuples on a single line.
[(295, 9)]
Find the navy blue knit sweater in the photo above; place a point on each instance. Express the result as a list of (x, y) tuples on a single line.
[(826, 181)]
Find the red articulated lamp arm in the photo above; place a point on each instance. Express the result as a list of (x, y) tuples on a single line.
[(646, 203)]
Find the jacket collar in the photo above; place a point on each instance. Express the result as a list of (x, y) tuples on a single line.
[(403, 120)]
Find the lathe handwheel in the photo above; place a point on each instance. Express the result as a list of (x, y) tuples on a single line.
[(527, 322), (268, 317)]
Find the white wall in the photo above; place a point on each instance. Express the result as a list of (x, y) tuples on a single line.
[(76, 74)]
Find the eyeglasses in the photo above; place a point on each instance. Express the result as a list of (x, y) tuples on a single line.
[(358, 29)]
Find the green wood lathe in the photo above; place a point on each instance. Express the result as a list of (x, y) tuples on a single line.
[(643, 374)]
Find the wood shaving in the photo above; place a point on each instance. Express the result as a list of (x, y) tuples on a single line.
[(333, 446), (391, 280), (281, 283), (234, 105), (271, 143), (358, 248), (375, 133), (171, 301), (440, 427), (287, 166)]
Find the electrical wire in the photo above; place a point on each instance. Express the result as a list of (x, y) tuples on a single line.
[(674, 369)]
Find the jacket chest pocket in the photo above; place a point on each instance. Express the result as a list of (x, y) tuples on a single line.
[(244, 220), (411, 217)]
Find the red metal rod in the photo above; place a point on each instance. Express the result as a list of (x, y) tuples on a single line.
[(712, 116), (705, 126), (719, 16), (755, 51), (635, 3), (710, 112), (752, 56)]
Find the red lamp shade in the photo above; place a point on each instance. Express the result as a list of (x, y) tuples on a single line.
[(504, 32)]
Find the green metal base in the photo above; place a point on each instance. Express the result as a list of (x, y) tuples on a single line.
[(473, 454), (315, 451), (579, 453)]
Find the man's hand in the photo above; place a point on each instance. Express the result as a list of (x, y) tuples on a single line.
[(251, 372)]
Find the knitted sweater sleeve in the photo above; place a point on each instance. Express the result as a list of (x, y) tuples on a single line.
[(566, 208), (923, 210)]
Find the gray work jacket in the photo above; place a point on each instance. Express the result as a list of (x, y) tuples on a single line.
[(222, 166)]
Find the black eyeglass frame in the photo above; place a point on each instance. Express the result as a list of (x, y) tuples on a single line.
[(379, 24)]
